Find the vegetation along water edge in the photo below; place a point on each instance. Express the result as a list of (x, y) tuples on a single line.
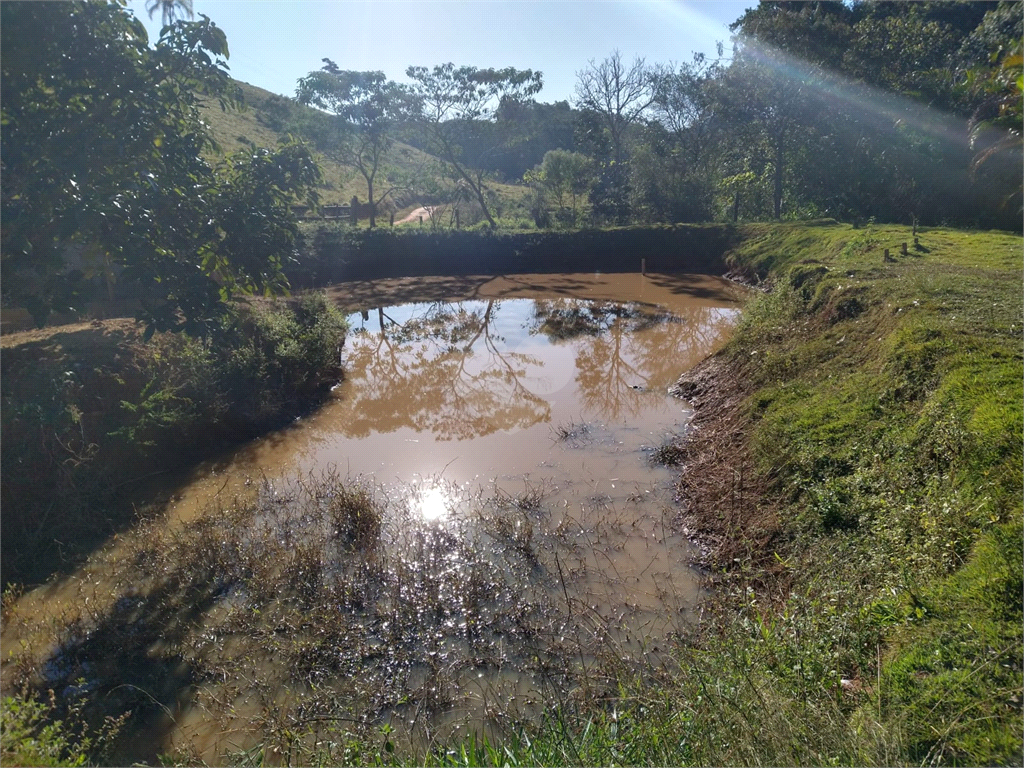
[(96, 410), (853, 472), (853, 476)]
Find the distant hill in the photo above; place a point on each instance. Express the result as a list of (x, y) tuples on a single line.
[(269, 117)]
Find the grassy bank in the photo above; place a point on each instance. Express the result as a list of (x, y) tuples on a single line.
[(854, 470), (90, 410)]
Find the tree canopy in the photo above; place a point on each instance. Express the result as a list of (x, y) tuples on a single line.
[(851, 110), (860, 110), (106, 168), (368, 106), (445, 96)]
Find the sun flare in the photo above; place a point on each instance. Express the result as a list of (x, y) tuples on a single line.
[(432, 504)]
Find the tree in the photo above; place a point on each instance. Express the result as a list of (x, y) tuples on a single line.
[(684, 104), (170, 9), (565, 175), (664, 185), (768, 104), (442, 99), (840, 106), (526, 131), (673, 168), (815, 32), (104, 168), (620, 94), (369, 105), (613, 96), (771, 94), (997, 126)]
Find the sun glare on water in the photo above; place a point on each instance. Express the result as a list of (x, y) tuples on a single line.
[(432, 504)]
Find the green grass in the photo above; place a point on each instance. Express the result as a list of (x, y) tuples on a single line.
[(882, 410), (893, 439)]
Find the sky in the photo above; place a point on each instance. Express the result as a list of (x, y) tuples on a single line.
[(275, 42)]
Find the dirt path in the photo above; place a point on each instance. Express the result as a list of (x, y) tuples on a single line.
[(415, 214), (124, 325)]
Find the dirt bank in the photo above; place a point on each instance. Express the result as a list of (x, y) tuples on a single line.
[(725, 507), (115, 330)]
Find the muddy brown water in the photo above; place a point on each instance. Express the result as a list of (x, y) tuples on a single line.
[(506, 426)]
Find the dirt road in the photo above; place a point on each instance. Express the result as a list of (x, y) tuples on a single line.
[(415, 214)]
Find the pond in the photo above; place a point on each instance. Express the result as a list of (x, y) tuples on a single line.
[(472, 527)]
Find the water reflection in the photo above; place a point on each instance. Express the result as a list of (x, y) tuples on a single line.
[(624, 351), (443, 369), (431, 504), (478, 390), (469, 369)]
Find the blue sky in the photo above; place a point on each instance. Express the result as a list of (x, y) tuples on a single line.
[(275, 42)]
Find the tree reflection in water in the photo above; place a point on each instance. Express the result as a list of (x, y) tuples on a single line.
[(443, 370), (625, 350)]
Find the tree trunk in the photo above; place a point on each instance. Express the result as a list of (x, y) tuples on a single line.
[(373, 207), (478, 190), (448, 155), (778, 177)]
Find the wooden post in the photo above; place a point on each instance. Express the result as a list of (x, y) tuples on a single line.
[(887, 256), (904, 249), (421, 222), (392, 218), (643, 266)]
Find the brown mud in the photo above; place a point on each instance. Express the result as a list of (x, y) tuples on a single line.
[(654, 288), (726, 507)]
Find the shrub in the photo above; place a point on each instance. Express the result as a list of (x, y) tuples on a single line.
[(291, 349), (30, 735), (93, 411)]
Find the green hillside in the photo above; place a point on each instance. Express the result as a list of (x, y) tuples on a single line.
[(265, 120)]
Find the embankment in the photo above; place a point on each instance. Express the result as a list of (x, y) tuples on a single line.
[(336, 253), (854, 470)]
